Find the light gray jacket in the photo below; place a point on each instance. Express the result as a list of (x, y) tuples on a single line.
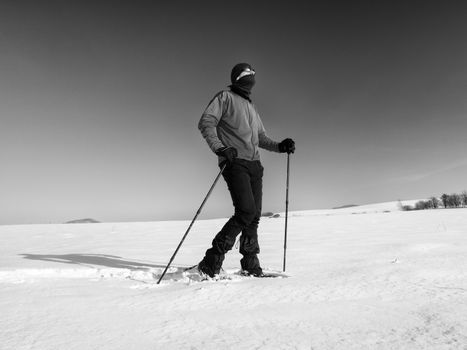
[(232, 121)]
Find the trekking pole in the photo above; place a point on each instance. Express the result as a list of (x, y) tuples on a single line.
[(286, 210), (192, 222)]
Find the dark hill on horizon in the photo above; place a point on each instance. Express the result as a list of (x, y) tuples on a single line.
[(346, 206), (83, 221)]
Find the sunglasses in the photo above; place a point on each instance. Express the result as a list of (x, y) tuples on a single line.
[(247, 71)]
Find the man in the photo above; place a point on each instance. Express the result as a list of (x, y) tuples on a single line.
[(234, 131)]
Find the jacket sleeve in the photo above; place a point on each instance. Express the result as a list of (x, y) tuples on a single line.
[(264, 140), (209, 120)]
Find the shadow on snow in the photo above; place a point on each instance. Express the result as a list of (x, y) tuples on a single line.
[(90, 260)]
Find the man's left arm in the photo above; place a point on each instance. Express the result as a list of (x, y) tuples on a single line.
[(285, 146), (264, 140)]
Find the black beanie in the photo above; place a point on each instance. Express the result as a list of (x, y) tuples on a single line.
[(237, 70)]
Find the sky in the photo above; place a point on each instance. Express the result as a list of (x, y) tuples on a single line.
[(100, 101)]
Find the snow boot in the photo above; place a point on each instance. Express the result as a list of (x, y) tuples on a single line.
[(205, 271)]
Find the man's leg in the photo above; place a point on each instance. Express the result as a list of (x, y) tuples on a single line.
[(238, 181), (249, 246)]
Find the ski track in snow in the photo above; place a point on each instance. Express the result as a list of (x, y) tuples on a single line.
[(361, 278)]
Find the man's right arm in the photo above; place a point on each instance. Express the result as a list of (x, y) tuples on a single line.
[(209, 120)]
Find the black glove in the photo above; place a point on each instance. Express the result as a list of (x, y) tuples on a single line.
[(287, 146), (229, 153)]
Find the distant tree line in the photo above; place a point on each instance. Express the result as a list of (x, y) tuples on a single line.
[(454, 200)]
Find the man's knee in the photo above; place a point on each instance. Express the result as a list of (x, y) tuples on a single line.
[(245, 217)]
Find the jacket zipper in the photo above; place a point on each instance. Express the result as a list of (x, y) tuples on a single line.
[(251, 127)]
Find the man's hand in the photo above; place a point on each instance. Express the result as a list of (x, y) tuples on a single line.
[(287, 146), (229, 153)]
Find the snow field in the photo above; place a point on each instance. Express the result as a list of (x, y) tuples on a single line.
[(371, 278)]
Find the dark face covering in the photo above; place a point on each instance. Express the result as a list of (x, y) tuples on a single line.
[(246, 83), (243, 86)]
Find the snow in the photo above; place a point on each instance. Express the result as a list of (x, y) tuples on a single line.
[(369, 277)]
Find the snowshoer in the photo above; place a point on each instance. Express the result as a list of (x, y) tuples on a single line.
[(234, 131)]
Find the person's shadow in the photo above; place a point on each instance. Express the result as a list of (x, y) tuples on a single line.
[(90, 260)]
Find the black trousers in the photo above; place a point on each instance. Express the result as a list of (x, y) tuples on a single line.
[(245, 183)]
